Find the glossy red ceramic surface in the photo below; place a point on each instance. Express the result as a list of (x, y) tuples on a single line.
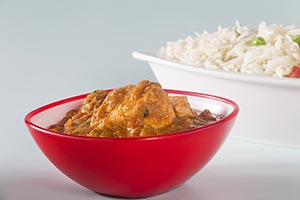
[(130, 167)]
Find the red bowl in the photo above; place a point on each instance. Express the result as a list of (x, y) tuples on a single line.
[(132, 167)]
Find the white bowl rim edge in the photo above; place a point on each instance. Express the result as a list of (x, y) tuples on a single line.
[(151, 57)]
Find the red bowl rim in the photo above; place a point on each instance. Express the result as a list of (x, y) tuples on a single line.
[(36, 111)]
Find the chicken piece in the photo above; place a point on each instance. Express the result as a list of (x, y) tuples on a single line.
[(181, 106), (79, 123), (134, 110)]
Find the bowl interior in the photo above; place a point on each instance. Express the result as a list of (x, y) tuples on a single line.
[(54, 112)]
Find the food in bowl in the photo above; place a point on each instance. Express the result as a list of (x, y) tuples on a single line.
[(144, 109), (132, 167), (268, 50)]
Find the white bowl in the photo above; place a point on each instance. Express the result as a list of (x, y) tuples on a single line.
[(269, 106)]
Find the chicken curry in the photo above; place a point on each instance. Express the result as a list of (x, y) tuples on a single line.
[(144, 109)]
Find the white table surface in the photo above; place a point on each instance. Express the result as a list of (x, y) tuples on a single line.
[(239, 171)]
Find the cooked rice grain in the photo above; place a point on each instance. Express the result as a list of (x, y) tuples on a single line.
[(230, 49)]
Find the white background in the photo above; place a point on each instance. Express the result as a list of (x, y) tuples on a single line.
[(50, 50)]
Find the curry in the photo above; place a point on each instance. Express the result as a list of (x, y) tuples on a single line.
[(144, 109)]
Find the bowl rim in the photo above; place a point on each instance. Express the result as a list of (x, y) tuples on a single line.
[(151, 56), (230, 116)]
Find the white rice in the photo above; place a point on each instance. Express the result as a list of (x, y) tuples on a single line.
[(230, 49)]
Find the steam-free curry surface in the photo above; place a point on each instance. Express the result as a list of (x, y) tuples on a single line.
[(144, 109)]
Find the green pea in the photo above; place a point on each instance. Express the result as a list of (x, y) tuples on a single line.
[(297, 39), (258, 41)]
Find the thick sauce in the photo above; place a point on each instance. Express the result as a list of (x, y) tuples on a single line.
[(144, 109)]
